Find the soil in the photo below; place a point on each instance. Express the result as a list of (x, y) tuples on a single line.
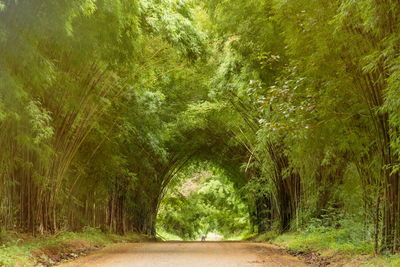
[(49, 256), (192, 254), (313, 258)]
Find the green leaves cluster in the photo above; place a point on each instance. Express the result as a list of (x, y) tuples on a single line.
[(203, 203), (83, 94)]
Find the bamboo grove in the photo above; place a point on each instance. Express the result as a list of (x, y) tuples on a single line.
[(103, 103)]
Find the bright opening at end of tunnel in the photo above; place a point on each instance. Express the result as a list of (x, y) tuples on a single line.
[(204, 202)]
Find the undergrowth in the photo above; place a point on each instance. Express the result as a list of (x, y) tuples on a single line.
[(24, 250), (326, 239), (347, 244)]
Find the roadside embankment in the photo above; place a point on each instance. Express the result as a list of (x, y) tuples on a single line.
[(329, 247), (24, 250)]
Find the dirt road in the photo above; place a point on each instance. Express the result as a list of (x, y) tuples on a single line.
[(189, 254)]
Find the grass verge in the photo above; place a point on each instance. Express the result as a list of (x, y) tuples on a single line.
[(23, 250), (333, 247)]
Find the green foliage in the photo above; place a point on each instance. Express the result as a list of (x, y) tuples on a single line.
[(20, 252), (82, 97), (203, 203), (173, 20), (295, 103), (344, 240)]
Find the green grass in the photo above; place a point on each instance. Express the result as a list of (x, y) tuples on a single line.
[(325, 239), (18, 250), (265, 237), (390, 261), (345, 244), (164, 235)]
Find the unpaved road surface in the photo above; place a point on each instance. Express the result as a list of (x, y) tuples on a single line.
[(188, 254)]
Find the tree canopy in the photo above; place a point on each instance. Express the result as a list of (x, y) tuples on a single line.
[(292, 106)]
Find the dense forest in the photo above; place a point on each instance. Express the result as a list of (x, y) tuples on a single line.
[(288, 108)]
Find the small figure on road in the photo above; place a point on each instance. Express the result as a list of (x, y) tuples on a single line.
[(203, 238)]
